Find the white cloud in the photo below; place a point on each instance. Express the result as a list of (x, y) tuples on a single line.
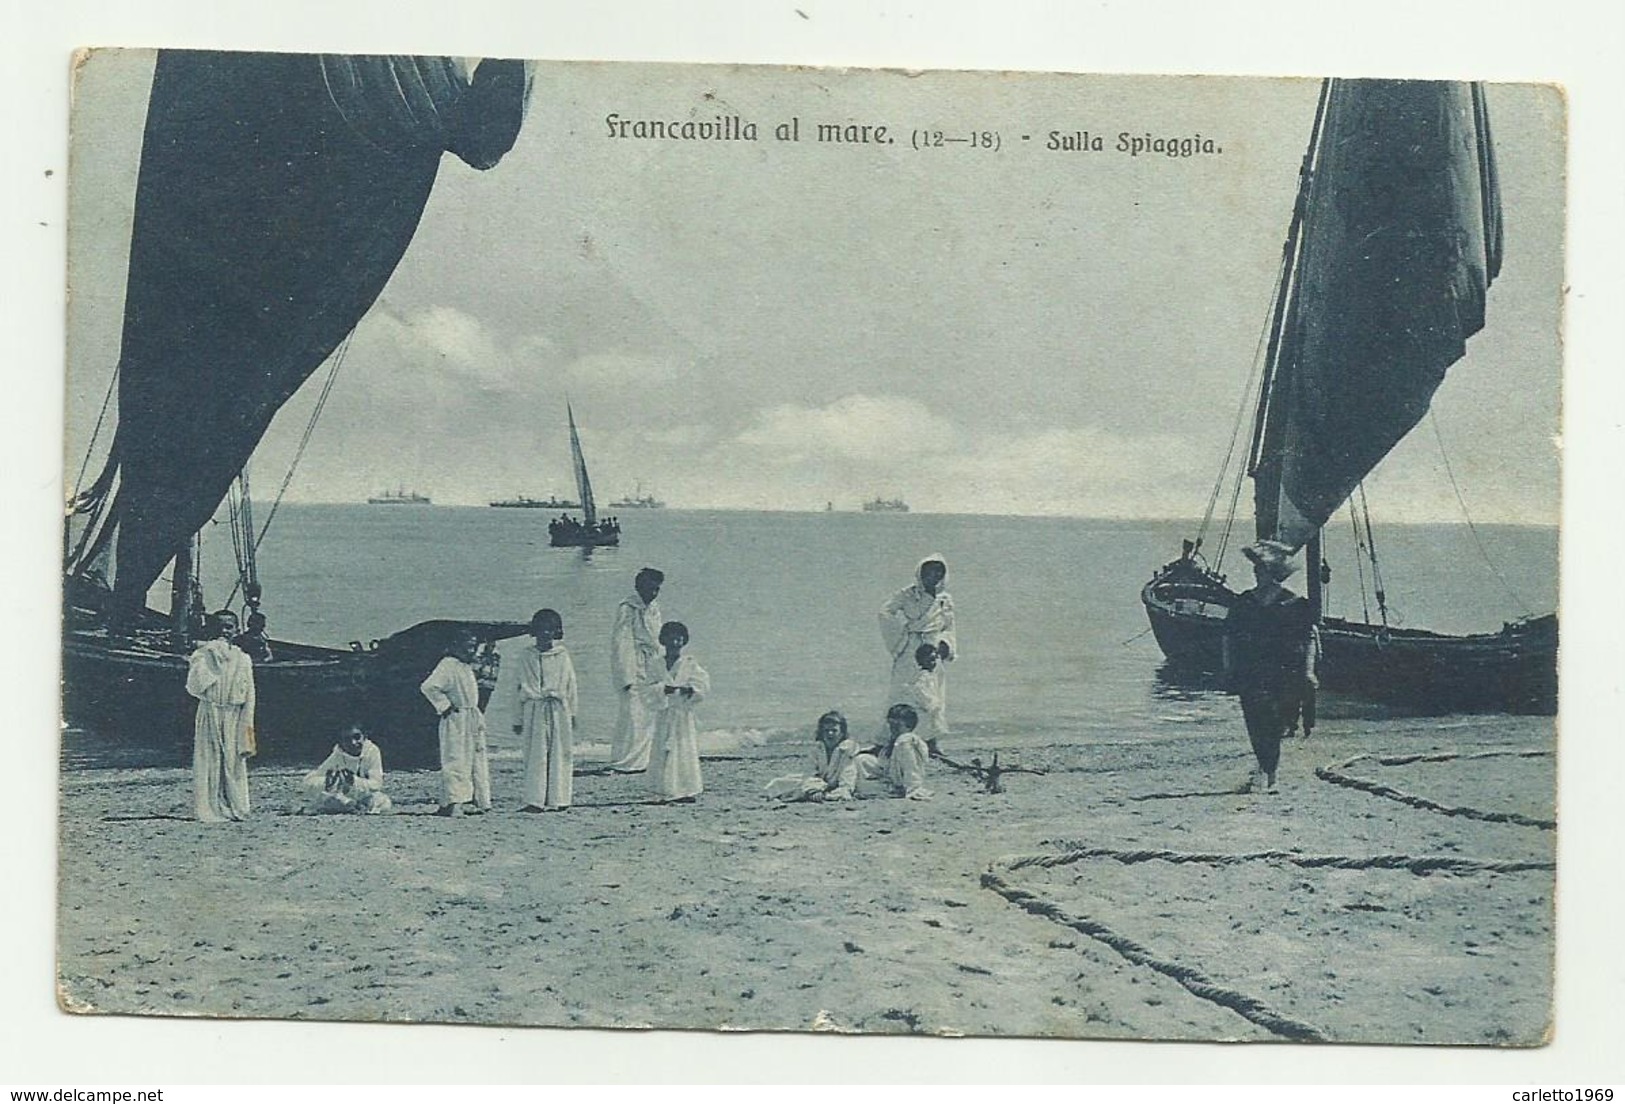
[(855, 427), (1072, 471), (450, 340)]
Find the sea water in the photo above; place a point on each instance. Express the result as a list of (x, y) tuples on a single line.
[(782, 607)]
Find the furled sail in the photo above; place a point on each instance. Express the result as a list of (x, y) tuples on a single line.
[(1400, 239), (277, 193), (589, 509)]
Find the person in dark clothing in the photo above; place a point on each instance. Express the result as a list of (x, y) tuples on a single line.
[(253, 640), (1267, 656)]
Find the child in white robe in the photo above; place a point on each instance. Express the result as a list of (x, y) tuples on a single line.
[(634, 659), (674, 764), (350, 779), (221, 677), (453, 690), (834, 766), (898, 769), (925, 695), (546, 715)]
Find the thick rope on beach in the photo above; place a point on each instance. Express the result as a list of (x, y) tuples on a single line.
[(1250, 1008), (1337, 777), (1416, 864)]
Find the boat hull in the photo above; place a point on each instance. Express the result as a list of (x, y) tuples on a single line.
[(1412, 670), (570, 533), (132, 690)]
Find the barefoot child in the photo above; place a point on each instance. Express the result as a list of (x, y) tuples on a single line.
[(221, 677), (834, 766), (350, 780), (674, 764), (547, 715), (925, 695), (465, 775), (899, 767)]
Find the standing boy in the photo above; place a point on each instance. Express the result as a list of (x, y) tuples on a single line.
[(634, 655), (925, 695), (546, 716), (454, 692), (221, 677)]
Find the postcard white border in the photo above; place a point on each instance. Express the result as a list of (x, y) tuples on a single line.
[(1571, 42)]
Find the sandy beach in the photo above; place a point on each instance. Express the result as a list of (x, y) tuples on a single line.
[(1403, 895)]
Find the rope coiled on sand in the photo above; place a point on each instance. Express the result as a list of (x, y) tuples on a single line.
[(1251, 1008), (1337, 777), (1415, 864), (1244, 1005)]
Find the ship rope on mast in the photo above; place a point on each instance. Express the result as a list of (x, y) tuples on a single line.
[(1478, 541), (1359, 564), (247, 564), (1377, 587), (1235, 437)]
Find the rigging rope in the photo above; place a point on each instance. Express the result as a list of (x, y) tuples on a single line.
[(247, 566), (1376, 569), (1433, 420), (95, 434), (1359, 563), (299, 453), (1235, 436), (74, 555)]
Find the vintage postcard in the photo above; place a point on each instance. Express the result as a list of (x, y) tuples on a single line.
[(955, 553)]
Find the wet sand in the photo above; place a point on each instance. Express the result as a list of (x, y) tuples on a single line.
[(1397, 900)]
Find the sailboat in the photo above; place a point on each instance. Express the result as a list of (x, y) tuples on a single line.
[(587, 531), (1394, 240), (276, 194)]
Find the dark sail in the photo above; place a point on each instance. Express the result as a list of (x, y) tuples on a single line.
[(1400, 239), (589, 508), (277, 193)]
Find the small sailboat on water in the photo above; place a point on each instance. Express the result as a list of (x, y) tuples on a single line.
[(588, 531), (276, 194), (1394, 240)]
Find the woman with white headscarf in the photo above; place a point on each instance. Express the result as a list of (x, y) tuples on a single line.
[(922, 613)]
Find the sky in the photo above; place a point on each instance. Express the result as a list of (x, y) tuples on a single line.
[(783, 325)]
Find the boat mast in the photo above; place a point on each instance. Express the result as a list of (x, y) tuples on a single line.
[(183, 592), (1270, 421)]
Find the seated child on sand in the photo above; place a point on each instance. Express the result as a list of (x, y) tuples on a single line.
[(350, 780), (674, 764), (898, 768), (834, 766)]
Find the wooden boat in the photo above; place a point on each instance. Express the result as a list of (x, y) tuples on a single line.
[(1510, 671), (587, 531), (249, 268), (1393, 242)]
